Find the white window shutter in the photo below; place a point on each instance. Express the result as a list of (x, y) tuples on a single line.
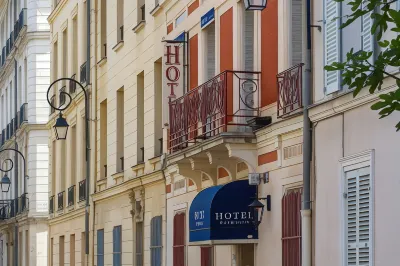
[(367, 39), (297, 32), (210, 51), (332, 44), (358, 217), (248, 41)]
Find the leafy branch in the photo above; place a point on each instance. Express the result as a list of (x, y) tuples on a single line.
[(362, 69)]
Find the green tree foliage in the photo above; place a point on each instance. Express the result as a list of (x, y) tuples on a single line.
[(357, 70)]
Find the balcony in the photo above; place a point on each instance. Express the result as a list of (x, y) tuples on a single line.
[(7, 47), (23, 113), (22, 204), (82, 73), (3, 137), (82, 190), (11, 40), (3, 56), (51, 205), (12, 126), (62, 95), (71, 196), (22, 19), (60, 201), (225, 103), (8, 132), (72, 85), (289, 90)]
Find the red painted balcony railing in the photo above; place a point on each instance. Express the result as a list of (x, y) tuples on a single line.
[(289, 90), (224, 103)]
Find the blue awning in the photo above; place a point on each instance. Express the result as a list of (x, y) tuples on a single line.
[(220, 214)]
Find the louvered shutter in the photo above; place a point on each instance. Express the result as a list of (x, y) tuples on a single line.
[(358, 217), (100, 247), (248, 41), (297, 31), (367, 40), (156, 241), (117, 246), (332, 44), (210, 51)]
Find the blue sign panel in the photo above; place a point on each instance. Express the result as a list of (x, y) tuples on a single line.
[(207, 18), (222, 213), (181, 37)]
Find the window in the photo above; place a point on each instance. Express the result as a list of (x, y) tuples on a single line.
[(140, 119), (248, 32), (158, 105), (291, 228), (103, 28), (61, 251), (72, 250), (120, 20), (179, 241), (120, 130), (100, 247), (156, 241), (180, 19), (358, 216), (72, 155), (55, 62), (206, 256), (103, 139), (296, 33), (339, 41), (141, 11), (53, 168), (117, 246), (74, 45), (84, 32), (51, 251), (65, 54), (139, 243), (210, 51)]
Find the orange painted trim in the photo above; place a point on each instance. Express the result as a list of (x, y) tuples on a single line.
[(222, 173), (193, 6), (168, 188), (267, 157), (170, 28), (194, 62), (191, 183)]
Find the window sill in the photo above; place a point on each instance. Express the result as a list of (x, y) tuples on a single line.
[(118, 46), (139, 26), (155, 10), (102, 184), (138, 170), (71, 208), (102, 61), (118, 177)]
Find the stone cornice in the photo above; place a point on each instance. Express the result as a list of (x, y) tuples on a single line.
[(67, 216), (346, 102), (127, 186)]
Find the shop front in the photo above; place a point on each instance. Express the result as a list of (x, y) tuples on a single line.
[(222, 226)]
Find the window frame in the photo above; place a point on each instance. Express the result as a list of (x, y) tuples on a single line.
[(117, 253), (350, 163), (180, 212), (153, 239), (98, 255)]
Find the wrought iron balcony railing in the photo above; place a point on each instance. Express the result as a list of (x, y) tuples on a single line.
[(22, 18), (11, 40), (7, 47), (12, 126), (3, 56), (8, 132), (3, 137), (62, 95), (71, 195), (289, 90), (60, 201), (82, 190), (224, 103), (82, 73), (51, 205), (22, 203), (23, 113), (72, 85)]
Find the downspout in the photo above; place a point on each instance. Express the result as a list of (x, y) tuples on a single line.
[(163, 167), (93, 121), (306, 95), (87, 109), (16, 169)]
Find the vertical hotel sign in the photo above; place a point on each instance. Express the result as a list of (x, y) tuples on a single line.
[(174, 74)]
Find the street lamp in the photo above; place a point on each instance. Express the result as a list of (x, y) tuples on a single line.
[(61, 128), (5, 183), (256, 5), (257, 208)]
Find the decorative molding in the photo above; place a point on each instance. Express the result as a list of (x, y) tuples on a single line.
[(118, 46), (139, 26)]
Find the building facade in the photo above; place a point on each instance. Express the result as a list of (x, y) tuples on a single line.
[(67, 161), (25, 76)]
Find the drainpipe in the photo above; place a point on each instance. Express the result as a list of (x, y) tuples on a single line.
[(88, 11), (16, 170), (306, 95)]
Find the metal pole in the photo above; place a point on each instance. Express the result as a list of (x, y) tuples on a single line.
[(88, 11), (16, 167), (306, 94)]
